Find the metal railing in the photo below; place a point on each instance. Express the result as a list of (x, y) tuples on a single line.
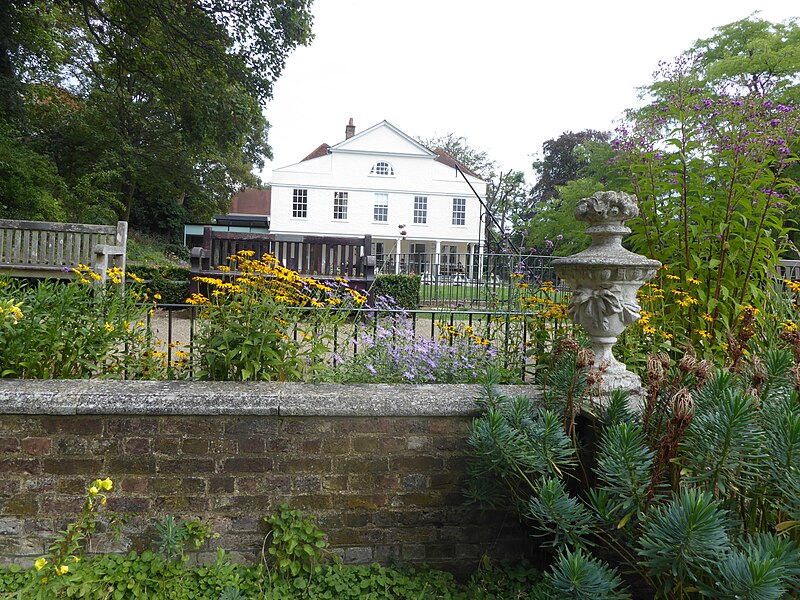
[(512, 334), (469, 280)]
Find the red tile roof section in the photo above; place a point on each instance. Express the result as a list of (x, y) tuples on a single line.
[(252, 202), (322, 150), (444, 158)]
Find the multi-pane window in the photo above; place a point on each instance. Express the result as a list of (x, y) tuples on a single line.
[(382, 168), (339, 205), (420, 209), (459, 211), (300, 204), (381, 212)]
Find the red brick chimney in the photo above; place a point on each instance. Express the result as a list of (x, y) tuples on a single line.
[(350, 130)]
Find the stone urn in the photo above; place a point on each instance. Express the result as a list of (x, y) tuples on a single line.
[(605, 278)]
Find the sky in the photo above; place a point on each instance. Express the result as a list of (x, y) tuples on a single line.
[(505, 75)]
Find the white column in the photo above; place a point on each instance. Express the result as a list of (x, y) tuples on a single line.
[(397, 257), (437, 258)]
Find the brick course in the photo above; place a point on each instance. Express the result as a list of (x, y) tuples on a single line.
[(384, 488)]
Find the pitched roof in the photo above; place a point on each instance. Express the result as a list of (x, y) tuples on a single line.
[(321, 150), (444, 158)]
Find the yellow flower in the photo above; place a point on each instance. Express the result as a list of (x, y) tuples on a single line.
[(62, 570), (157, 296), (792, 285), (693, 281), (703, 334), (94, 491), (136, 278), (40, 563), (109, 327), (673, 277)]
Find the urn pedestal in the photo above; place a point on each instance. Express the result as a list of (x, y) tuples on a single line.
[(605, 279)]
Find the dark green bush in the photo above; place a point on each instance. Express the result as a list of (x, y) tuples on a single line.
[(170, 282), (403, 288)]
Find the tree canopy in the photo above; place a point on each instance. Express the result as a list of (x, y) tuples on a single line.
[(144, 109)]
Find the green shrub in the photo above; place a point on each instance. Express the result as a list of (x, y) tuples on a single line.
[(403, 288), (171, 283), (699, 492)]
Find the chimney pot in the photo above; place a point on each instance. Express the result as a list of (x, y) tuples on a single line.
[(350, 130)]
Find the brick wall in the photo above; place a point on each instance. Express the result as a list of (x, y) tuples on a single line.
[(381, 467)]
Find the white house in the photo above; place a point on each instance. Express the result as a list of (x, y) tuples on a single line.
[(421, 213)]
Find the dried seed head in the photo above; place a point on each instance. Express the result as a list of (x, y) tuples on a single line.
[(663, 358), (567, 345), (759, 372), (655, 370), (702, 371), (585, 358), (683, 405), (687, 362)]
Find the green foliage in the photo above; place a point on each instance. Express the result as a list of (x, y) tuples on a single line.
[(170, 282), (73, 330), (582, 577), (403, 289), (296, 546), (710, 169), (697, 494)]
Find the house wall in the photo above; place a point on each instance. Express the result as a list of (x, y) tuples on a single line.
[(381, 467), (348, 170)]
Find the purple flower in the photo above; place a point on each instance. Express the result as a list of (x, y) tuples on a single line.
[(559, 237)]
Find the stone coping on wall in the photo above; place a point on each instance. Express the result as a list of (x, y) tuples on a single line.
[(116, 397)]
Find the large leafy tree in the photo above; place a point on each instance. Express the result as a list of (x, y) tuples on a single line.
[(157, 112)]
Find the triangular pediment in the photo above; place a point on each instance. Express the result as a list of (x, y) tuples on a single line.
[(383, 138)]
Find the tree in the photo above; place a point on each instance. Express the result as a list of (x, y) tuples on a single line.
[(571, 165), (505, 191), (760, 57), (165, 113)]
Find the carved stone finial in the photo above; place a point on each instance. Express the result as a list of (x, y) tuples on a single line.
[(605, 278)]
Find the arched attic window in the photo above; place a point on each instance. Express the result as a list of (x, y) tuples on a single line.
[(382, 168)]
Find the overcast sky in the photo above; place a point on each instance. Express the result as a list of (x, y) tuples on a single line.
[(507, 75)]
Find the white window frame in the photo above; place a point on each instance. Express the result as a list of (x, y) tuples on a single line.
[(382, 169), (459, 211), (420, 210), (380, 209), (340, 206), (299, 203)]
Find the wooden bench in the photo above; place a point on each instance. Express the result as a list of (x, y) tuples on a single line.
[(320, 257), (40, 249)]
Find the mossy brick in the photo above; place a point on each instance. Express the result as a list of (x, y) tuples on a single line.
[(218, 485), (362, 425), (335, 445), (355, 536), (415, 481), (311, 502), (129, 504), (416, 464), (78, 425), (134, 485), (289, 464), (235, 506), (361, 464), (131, 426), (68, 505), (279, 444), (244, 524), (356, 519), (181, 503), (9, 445), (270, 484), (250, 444), (194, 445), (419, 499), (167, 445), (185, 466), (334, 482), (358, 555), (313, 446), (446, 480), (457, 463), (11, 525), (307, 426), (439, 551), (306, 483), (412, 552), (450, 443), (167, 485), (8, 487), (250, 426), (259, 464), (104, 445), (71, 445), (373, 481), (459, 427), (72, 485), (137, 445), (222, 446), (69, 465), (369, 444), (386, 555), (191, 426), (10, 425), (132, 464), (369, 502), (24, 504), (410, 425)]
